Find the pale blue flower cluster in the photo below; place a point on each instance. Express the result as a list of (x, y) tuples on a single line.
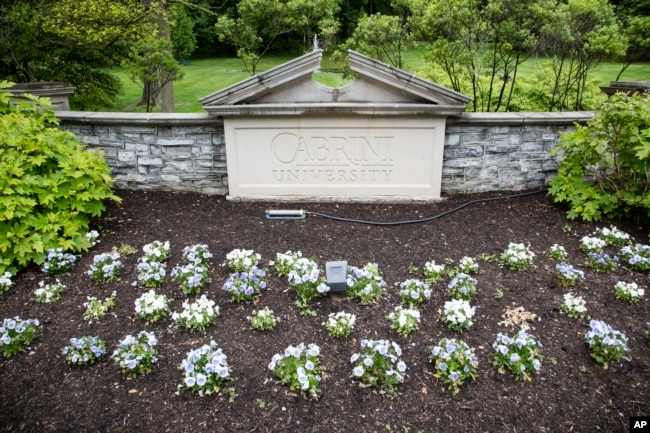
[(462, 286), (365, 284), (637, 256), (193, 275), (299, 368), (568, 275), (521, 354), (136, 355), (152, 270), (84, 351), (245, 286), (606, 343), (414, 291), (454, 362), (58, 262), (602, 262), (197, 254), (205, 369), (151, 273), (105, 267), (379, 365), (16, 334)]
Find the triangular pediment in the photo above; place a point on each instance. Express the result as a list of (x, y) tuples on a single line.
[(379, 89)]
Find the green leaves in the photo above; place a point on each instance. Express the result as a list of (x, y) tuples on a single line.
[(50, 186), (605, 168)]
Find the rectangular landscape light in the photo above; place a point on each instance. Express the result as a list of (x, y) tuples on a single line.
[(336, 273), (285, 214)]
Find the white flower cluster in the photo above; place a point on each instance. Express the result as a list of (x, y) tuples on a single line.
[(592, 244), (574, 306), (434, 272), (197, 315), (306, 278), (629, 292), (517, 257), (48, 293), (241, 260), (96, 309), (613, 236), (284, 262), (156, 251), (404, 320), (299, 368), (457, 314), (468, 265), (263, 320), (5, 282), (151, 306), (340, 324), (92, 237), (557, 252)]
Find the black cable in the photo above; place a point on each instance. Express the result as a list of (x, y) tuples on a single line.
[(394, 223)]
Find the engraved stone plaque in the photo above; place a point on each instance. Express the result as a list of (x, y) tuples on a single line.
[(355, 158)]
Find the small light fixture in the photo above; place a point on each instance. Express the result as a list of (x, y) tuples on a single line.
[(336, 274)]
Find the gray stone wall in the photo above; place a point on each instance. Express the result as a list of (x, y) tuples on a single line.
[(187, 152), (166, 152), (503, 151)]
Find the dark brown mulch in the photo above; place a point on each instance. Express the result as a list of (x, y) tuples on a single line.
[(41, 393)]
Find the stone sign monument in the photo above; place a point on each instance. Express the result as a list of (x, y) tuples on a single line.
[(380, 137)]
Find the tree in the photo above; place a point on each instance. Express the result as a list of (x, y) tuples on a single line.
[(637, 31), (383, 37), (458, 33), (257, 24), (577, 36)]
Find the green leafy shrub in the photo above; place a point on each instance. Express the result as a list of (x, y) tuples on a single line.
[(605, 165), (50, 186)]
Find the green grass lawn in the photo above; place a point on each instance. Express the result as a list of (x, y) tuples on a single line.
[(206, 76)]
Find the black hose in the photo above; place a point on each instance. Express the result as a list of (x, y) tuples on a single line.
[(421, 220)]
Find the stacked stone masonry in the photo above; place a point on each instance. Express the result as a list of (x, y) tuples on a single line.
[(483, 152), (183, 157)]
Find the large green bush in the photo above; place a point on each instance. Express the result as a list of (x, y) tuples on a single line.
[(605, 171), (50, 186)]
